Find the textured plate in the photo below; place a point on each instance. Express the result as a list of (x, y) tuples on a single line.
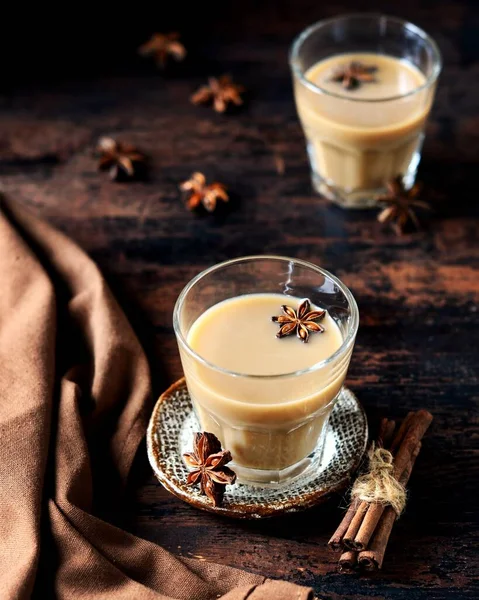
[(170, 434)]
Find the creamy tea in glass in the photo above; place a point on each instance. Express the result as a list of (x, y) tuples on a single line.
[(267, 399), (361, 136)]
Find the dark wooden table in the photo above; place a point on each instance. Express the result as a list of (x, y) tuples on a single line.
[(418, 295)]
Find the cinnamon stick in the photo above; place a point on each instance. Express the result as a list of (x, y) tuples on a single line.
[(355, 525), (348, 561), (388, 434), (400, 432), (385, 435), (417, 426), (372, 559), (336, 542)]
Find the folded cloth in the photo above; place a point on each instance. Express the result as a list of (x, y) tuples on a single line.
[(74, 403)]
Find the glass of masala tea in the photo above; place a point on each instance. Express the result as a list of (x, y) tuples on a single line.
[(265, 343), (364, 85)]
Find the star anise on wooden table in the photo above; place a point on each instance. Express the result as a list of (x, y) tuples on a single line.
[(352, 75), (122, 160), (220, 91), (163, 45), (301, 321), (208, 462), (399, 204), (200, 193)]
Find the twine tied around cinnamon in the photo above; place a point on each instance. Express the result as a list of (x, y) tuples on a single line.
[(379, 484)]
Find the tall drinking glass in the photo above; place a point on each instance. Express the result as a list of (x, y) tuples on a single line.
[(361, 134)]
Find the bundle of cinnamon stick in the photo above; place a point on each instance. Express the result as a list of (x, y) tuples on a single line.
[(363, 534)]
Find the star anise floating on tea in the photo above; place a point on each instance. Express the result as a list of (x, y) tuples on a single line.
[(200, 193), (399, 204), (354, 74), (301, 322), (122, 160), (220, 92), (208, 462), (163, 45)]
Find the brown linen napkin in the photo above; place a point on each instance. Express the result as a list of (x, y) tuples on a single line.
[(74, 402)]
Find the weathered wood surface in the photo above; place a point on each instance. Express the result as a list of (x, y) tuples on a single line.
[(418, 295)]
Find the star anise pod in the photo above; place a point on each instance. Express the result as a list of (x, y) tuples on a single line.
[(351, 76), (163, 45), (301, 321), (208, 462), (399, 204), (123, 160), (220, 91), (208, 195)]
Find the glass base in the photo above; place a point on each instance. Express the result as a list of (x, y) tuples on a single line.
[(354, 199), (358, 199), (278, 477), (351, 199)]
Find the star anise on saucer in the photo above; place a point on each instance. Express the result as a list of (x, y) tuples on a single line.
[(163, 45), (122, 160), (399, 204), (208, 462), (220, 91), (352, 75), (200, 193), (301, 321)]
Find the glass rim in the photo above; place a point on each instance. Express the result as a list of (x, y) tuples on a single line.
[(345, 345), (306, 33)]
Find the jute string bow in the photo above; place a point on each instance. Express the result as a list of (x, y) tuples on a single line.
[(379, 484)]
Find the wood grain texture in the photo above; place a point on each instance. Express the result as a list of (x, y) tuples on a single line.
[(418, 295)]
